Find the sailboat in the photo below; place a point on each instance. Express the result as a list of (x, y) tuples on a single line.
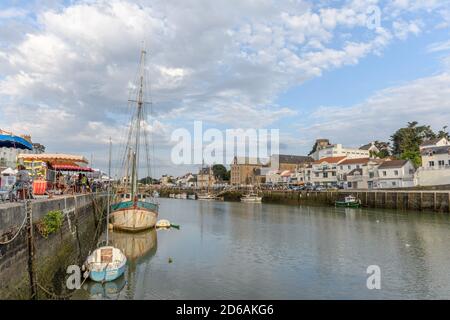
[(106, 263), (253, 196), (133, 212)]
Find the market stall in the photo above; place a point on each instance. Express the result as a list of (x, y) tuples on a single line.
[(46, 169)]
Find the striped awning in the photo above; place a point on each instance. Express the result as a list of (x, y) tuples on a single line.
[(62, 167), (55, 158)]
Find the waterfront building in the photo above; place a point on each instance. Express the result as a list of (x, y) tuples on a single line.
[(325, 171), (284, 162), (435, 169), (362, 175), (205, 178), (433, 143), (371, 147), (337, 150), (396, 174), (188, 180), (167, 180), (246, 171)]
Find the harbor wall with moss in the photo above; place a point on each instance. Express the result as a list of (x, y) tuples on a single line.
[(64, 231)]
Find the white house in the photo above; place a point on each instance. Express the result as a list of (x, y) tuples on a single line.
[(438, 142), (337, 150), (395, 174), (363, 174), (435, 168), (325, 171)]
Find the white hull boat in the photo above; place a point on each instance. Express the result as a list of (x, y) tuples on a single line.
[(106, 264), (251, 198)]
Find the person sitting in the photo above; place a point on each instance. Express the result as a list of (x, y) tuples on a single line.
[(23, 184)]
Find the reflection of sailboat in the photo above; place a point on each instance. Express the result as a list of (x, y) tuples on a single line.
[(137, 245)]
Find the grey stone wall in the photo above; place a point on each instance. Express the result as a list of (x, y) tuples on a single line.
[(70, 245)]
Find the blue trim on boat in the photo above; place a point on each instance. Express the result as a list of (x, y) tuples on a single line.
[(110, 275), (130, 204)]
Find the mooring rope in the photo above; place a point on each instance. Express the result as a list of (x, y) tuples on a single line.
[(20, 229), (56, 296)]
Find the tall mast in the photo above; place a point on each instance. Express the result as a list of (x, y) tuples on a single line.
[(109, 192), (140, 103)]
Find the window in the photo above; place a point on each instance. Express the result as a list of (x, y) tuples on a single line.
[(342, 167), (394, 183), (396, 172), (349, 167), (317, 174), (325, 174), (357, 166), (431, 163), (384, 173), (371, 175), (441, 163)]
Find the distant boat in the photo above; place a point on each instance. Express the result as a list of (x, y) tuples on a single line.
[(155, 194), (206, 196), (192, 196), (348, 202), (252, 198), (135, 213)]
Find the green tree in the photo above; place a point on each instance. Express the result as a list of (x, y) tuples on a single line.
[(406, 141), (443, 133), (414, 156), (148, 180), (220, 172)]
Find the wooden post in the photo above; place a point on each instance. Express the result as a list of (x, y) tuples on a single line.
[(421, 200), (375, 200), (435, 201), (396, 200), (30, 243), (448, 204)]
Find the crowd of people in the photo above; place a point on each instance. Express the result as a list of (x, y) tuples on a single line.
[(68, 183), (77, 183)]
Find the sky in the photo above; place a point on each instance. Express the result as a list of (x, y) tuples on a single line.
[(312, 69)]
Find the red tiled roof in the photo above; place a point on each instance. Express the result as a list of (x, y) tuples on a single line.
[(355, 161), (330, 160)]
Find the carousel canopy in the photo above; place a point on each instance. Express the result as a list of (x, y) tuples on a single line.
[(56, 158), (10, 141), (62, 167)]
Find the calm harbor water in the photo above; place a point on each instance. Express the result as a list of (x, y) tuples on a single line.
[(228, 250)]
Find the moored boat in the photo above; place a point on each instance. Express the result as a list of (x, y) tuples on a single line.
[(133, 212), (106, 264), (348, 202), (252, 198)]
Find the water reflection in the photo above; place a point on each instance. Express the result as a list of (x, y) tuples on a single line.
[(228, 250), (135, 246)]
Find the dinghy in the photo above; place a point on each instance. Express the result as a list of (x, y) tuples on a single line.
[(106, 263)]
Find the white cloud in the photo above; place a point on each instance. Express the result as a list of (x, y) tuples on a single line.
[(223, 61), (426, 100)]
